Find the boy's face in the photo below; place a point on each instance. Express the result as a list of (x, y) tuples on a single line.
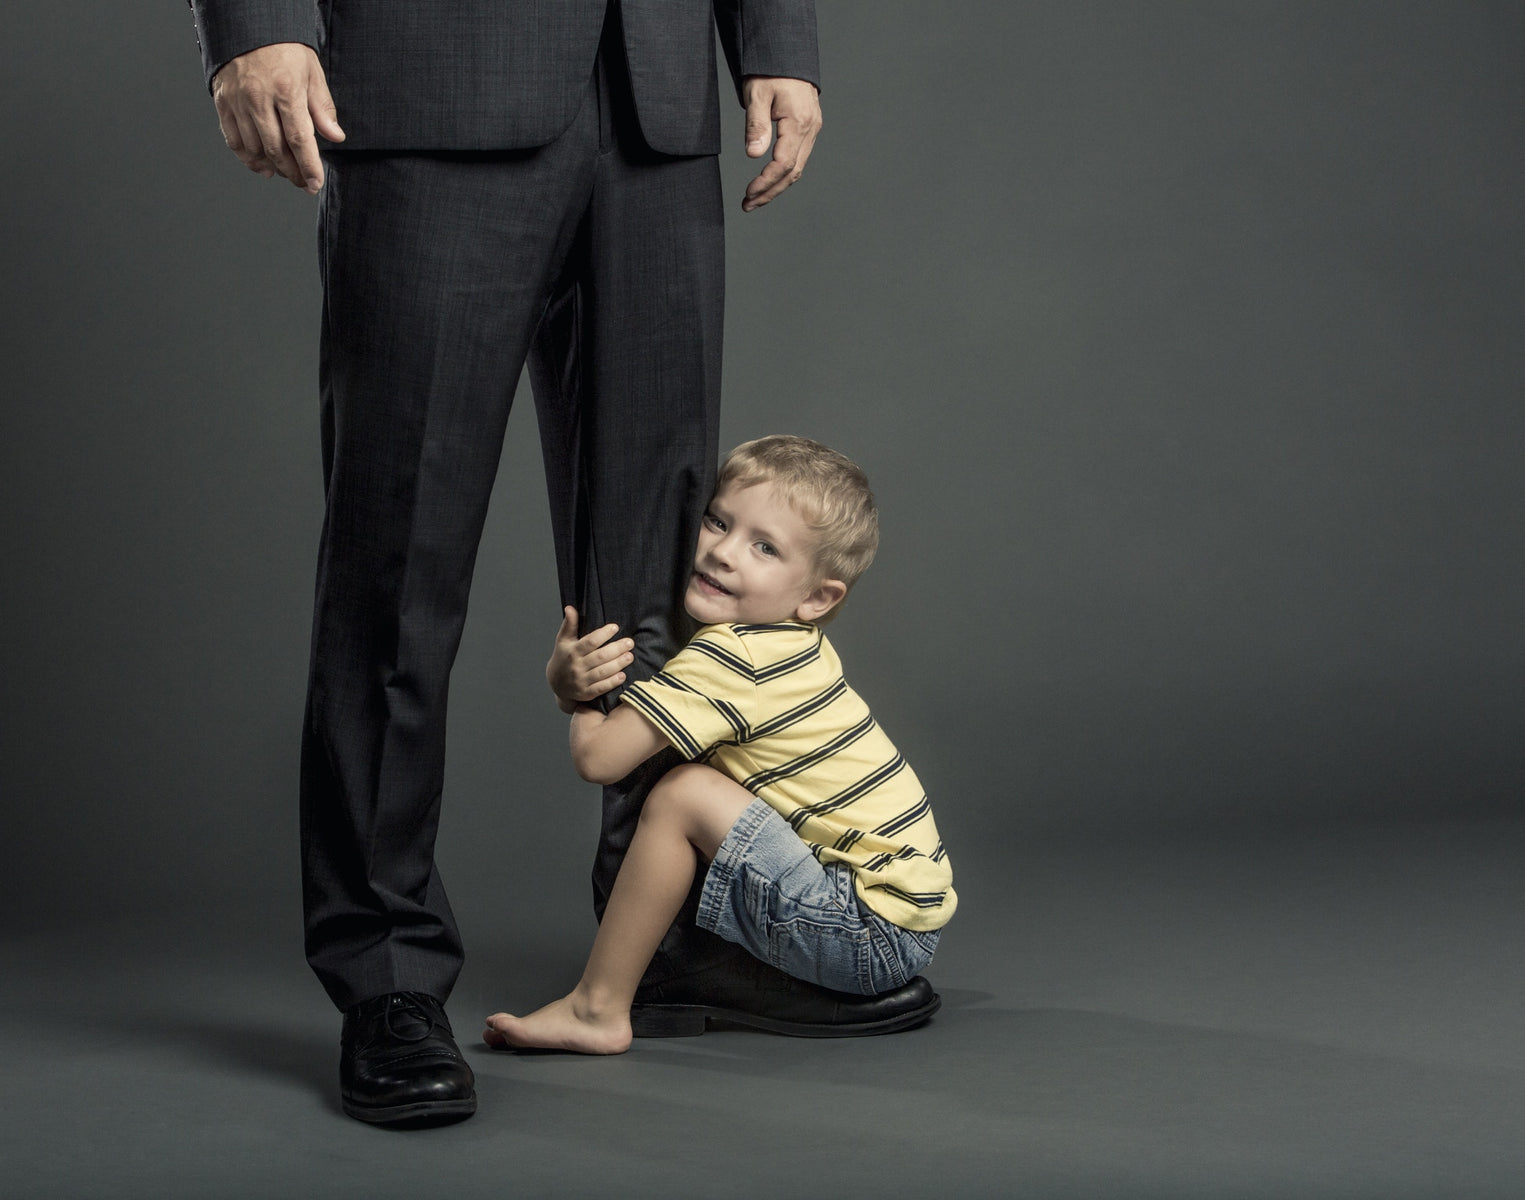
[(755, 563)]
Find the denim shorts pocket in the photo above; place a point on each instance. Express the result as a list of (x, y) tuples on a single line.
[(831, 953), (899, 954), (926, 939), (766, 891), (885, 969), (757, 898)]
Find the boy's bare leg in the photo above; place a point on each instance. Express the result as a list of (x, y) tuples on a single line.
[(685, 819)]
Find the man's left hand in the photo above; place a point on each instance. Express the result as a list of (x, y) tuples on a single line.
[(794, 107)]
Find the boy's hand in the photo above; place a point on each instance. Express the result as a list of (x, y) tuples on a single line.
[(583, 669)]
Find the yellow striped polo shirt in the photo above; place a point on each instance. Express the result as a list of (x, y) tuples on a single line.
[(767, 705)]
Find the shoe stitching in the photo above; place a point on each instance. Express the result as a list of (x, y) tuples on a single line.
[(406, 1058)]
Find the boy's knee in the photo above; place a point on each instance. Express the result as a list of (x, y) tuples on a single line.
[(678, 789), (691, 777)]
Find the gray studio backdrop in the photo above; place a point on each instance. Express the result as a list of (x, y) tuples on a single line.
[(1182, 343)]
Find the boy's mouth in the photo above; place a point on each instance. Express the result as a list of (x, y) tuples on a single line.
[(711, 583)]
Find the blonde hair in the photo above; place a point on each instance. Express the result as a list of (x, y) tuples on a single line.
[(828, 490)]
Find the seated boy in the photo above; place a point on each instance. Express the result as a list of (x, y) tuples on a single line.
[(824, 859)]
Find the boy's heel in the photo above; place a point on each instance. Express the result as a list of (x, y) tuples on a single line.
[(666, 1020)]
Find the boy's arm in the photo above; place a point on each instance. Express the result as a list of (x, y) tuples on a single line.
[(608, 746)]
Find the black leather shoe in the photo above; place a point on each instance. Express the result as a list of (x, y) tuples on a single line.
[(398, 1062), (746, 991)]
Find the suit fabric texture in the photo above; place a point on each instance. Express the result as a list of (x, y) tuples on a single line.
[(527, 180)]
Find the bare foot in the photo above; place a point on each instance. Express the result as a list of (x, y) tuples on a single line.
[(565, 1024)]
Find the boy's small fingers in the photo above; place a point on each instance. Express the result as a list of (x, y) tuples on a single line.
[(608, 685), (617, 662), (598, 637)]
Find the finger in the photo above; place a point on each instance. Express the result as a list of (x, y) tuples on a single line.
[(759, 127), (302, 145), (600, 687), (773, 179), (568, 630), (790, 154), (597, 638), (318, 116), (802, 151), (608, 653), (250, 151), (320, 105), (298, 144), (272, 137), (232, 131), (615, 662), (228, 123)]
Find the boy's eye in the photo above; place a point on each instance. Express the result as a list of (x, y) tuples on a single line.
[(767, 549), (712, 519)]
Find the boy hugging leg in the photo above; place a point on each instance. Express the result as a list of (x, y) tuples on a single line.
[(823, 856)]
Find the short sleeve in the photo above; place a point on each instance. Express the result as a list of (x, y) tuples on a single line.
[(703, 696)]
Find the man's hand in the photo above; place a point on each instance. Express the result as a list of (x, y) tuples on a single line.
[(795, 107), (269, 102), (583, 669)]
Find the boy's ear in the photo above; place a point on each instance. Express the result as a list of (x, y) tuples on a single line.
[(824, 597)]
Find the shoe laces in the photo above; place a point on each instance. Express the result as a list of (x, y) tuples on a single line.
[(414, 1009)]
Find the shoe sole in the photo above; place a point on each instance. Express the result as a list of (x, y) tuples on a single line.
[(418, 1112), (691, 1020)]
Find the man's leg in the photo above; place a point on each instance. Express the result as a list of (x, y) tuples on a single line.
[(626, 372), (436, 270)]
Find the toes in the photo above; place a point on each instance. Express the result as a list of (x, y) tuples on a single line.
[(493, 1035)]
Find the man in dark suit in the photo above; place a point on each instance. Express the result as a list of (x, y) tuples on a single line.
[(512, 179)]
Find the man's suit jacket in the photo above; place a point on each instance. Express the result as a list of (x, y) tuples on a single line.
[(509, 74)]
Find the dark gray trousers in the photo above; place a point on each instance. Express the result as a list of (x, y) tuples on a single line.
[(603, 263)]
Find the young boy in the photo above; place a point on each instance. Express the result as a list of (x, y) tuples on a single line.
[(823, 856)]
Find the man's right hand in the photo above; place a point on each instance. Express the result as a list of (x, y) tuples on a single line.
[(270, 102)]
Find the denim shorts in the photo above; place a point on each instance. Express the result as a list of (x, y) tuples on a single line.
[(766, 891)]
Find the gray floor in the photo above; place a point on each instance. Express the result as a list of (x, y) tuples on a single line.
[(1314, 1012)]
